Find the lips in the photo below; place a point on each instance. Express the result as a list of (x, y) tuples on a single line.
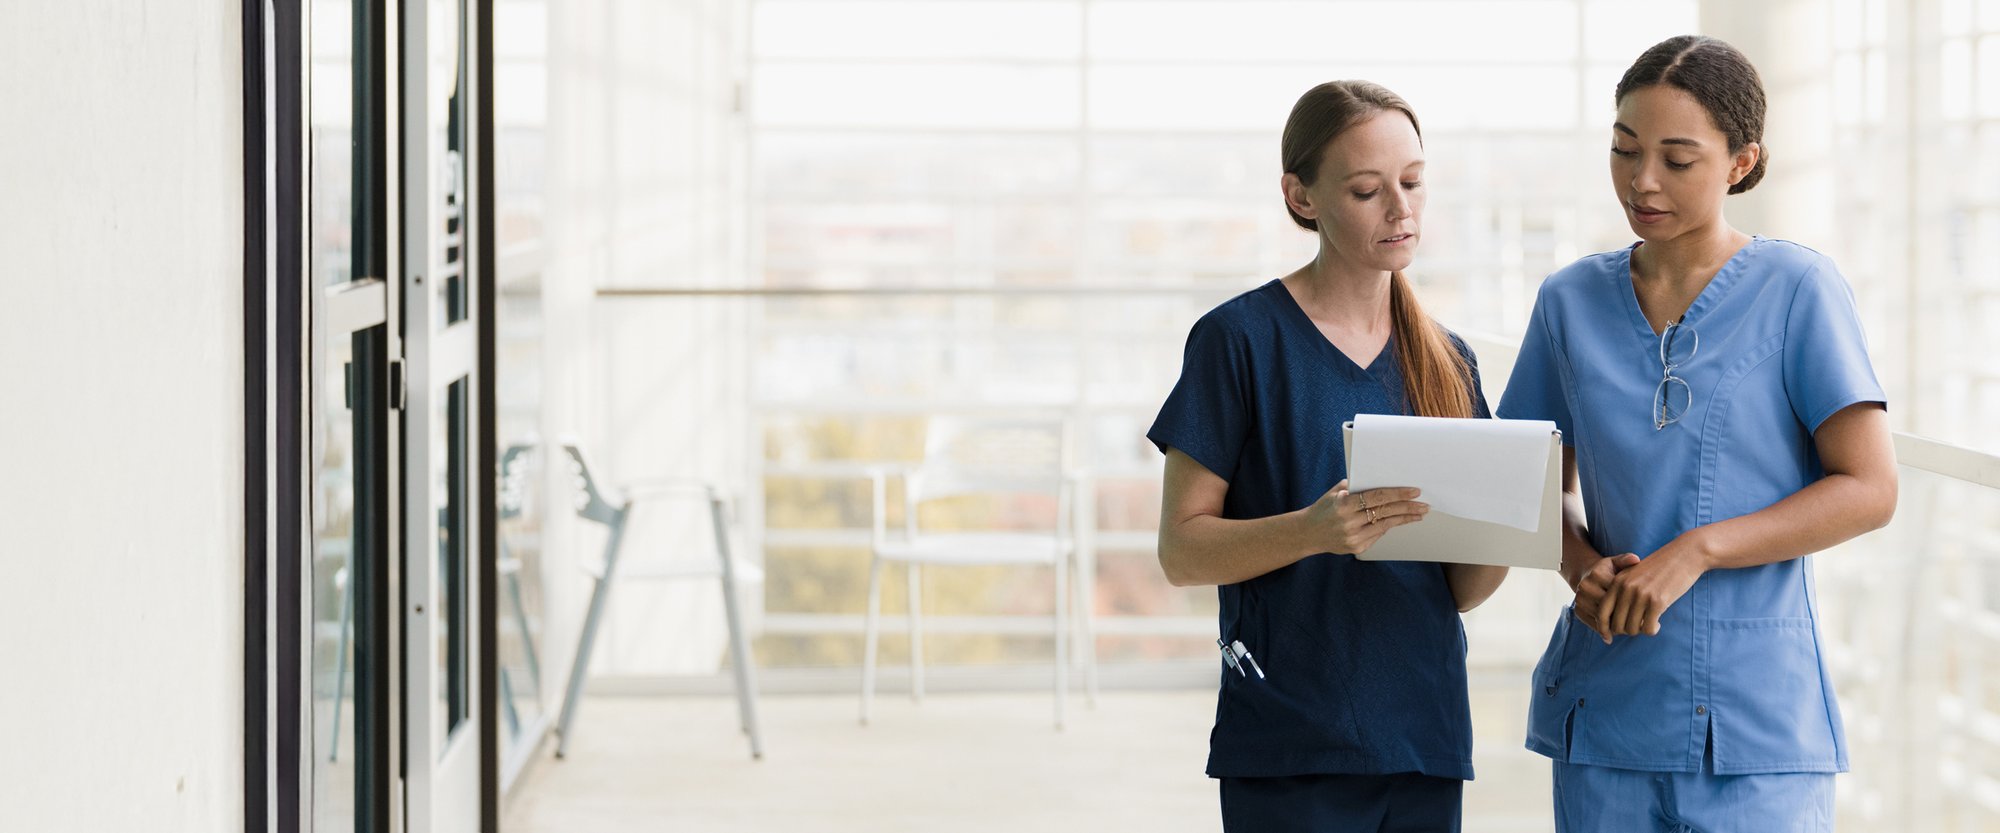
[(1396, 240), (1646, 214)]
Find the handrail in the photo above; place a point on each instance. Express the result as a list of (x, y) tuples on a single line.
[(1922, 453)]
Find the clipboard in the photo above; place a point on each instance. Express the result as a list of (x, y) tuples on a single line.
[(1448, 538)]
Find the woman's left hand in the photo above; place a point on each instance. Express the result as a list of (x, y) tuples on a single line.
[(1641, 594)]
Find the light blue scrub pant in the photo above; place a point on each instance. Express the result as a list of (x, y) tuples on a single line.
[(1600, 799)]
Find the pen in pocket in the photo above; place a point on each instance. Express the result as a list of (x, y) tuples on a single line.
[(1244, 654), (1229, 658)]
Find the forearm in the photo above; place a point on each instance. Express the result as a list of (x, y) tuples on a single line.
[(1834, 509), (1472, 583), (1578, 554), (1205, 549)]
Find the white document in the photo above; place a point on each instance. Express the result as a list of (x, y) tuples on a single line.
[(1494, 487), (1479, 469)]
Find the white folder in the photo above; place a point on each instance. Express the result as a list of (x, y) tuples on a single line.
[(1444, 537)]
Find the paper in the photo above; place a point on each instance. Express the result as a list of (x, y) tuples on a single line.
[(1490, 470)]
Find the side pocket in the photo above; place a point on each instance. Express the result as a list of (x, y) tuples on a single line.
[(1770, 712), (1548, 706)]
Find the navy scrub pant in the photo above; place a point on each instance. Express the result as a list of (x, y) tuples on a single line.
[(1403, 803)]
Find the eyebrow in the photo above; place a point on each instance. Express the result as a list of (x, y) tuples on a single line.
[(1417, 164), (1672, 140)]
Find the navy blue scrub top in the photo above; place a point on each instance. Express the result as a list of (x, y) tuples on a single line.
[(1364, 660)]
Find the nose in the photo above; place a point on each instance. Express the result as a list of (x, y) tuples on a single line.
[(1398, 205), (1645, 179)]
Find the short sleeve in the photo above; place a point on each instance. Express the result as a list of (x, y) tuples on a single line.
[(1207, 415), (1826, 355), (1535, 390)]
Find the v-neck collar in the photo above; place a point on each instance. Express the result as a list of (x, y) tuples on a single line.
[(1710, 295), (1335, 356)]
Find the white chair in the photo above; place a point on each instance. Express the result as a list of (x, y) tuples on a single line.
[(613, 508), (966, 456)]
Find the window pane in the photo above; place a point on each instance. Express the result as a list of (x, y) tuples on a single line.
[(949, 29), (1538, 32), (898, 95)]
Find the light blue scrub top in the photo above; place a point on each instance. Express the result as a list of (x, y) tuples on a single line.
[(1738, 659)]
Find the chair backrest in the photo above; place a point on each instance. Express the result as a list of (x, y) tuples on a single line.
[(591, 501), (511, 493), (978, 455)]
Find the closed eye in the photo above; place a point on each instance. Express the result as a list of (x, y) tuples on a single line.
[(1366, 196)]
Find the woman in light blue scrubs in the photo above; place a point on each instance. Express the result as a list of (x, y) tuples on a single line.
[(1724, 423)]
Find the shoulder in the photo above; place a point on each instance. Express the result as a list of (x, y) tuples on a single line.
[(1785, 259), (1458, 343), (1240, 317), (1234, 330), (1800, 271), (1588, 285), (1584, 275)]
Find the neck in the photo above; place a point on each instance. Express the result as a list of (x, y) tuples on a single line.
[(1694, 256), (1339, 293)]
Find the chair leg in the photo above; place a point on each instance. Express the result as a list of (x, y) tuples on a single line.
[(588, 640), (739, 642), (1062, 639), (869, 631), (1085, 625), (340, 669), (507, 700), (916, 587), (521, 621)]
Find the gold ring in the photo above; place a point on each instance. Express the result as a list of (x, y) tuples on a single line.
[(1371, 515), (1363, 501)]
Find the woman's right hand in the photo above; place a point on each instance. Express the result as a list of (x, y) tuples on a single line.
[(1351, 522), (1594, 585)]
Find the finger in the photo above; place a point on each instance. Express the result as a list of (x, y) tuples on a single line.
[(1621, 609), (1401, 507), (1605, 607), (1652, 626), (1380, 497), (1374, 532), (1625, 562), (1634, 618)]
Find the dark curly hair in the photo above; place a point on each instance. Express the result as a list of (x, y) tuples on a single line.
[(1721, 79)]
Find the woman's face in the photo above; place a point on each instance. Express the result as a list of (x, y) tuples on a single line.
[(1670, 166), (1369, 198)]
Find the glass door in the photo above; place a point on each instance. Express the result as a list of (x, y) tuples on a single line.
[(354, 434), (441, 345)]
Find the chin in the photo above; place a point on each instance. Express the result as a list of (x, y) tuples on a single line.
[(1651, 233)]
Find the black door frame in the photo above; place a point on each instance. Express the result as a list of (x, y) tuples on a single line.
[(276, 330)]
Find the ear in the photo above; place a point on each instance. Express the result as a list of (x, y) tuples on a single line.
[(1745, 160), (1296, 196)]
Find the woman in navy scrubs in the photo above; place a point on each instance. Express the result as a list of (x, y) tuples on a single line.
[(1343, 699), (1726, 423)]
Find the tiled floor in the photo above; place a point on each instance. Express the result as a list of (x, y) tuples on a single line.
[(961, 763)]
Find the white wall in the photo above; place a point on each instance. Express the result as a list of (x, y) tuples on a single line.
[(120, 431)]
